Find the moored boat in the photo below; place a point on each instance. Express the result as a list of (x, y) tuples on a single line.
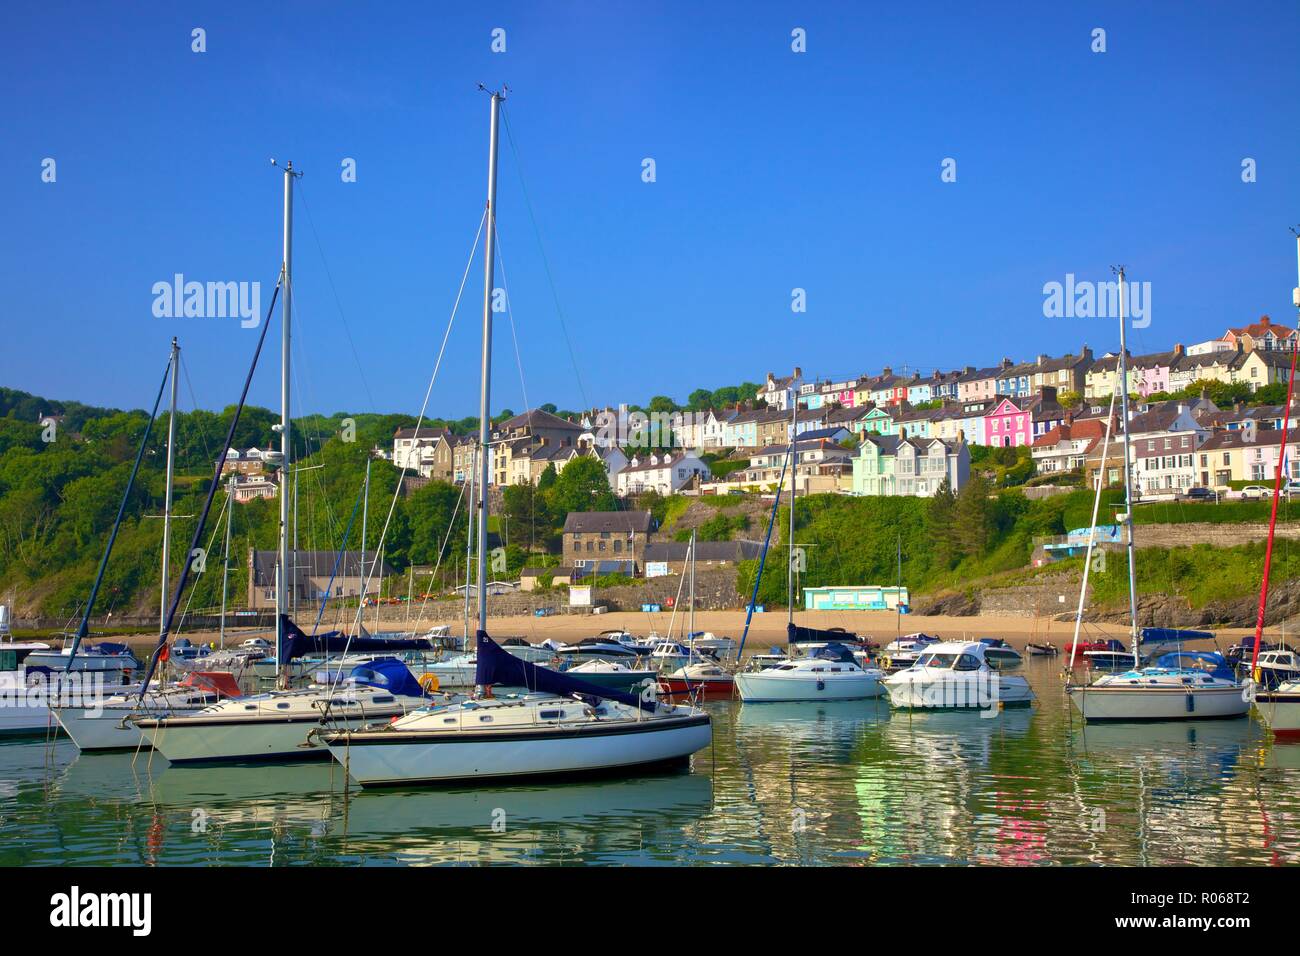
[(829, 673), (1191, 685), (956, 675)]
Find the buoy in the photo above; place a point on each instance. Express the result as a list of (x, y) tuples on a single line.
[(429, 683)]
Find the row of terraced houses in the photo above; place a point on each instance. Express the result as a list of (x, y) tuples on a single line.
[(893, 433)]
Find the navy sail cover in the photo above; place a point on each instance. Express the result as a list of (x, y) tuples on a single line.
[(495, 665), (387, 673), (811, 635), (298, 643)]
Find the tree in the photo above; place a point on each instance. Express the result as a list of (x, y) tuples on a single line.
[(971, 516), (1068, 399), (940, 528), (581, 486)]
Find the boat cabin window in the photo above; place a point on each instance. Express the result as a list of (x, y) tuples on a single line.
[(484, 718), (383, 700), (967, 662), (944, 661), (282, 706)]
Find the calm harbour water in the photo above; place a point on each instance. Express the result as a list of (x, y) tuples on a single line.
[(847, 783)]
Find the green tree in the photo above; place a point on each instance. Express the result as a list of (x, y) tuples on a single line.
[(971, 516), (940, 529), (581, 486)]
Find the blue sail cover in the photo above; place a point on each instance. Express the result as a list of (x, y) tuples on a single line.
[(298, 643), (1212, 663), (834, 652), (811, 635), (1171, 635), (387, 673), (495, 665)]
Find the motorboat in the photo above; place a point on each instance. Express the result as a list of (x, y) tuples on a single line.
[(1279, 708), (533, 653), (1276, 667), (115, 661), (1041, 649), (956, 675), (669, 655), (613, 675), (707, 679), (829, 673), (1186, 685), (773, 657), (456, 671), (1109, 655), (709, 643), (1245, 650), (999, 653), (278, 725), (608, 646), (104, 726), (562, 726), (905, 651)]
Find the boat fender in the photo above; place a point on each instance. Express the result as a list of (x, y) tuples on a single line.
[(1191, 704), (821, 685), (429, 683)]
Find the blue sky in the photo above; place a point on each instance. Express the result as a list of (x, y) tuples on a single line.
[(775, 170)]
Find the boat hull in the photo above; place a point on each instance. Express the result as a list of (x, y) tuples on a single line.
[(385, 758), (772, 687), (718, 688), (1280, 712), (949, 691), (186, 740), (106, 728), (1141, 704)]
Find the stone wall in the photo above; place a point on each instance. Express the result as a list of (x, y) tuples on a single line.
[(1046, 597), (1219, 535)]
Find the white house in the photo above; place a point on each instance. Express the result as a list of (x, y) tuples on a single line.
[(666, 473)]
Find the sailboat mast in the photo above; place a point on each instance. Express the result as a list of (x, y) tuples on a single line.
[(1128, 484), (167, 497), (470, 534), (286, 309), (794, 480), (225, 554), (484, 405), (692, 621), (365, 515)]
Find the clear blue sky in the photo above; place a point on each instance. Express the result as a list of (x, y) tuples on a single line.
[(775, 170)]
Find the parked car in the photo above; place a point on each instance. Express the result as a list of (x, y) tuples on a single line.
[(1255, 493), (1201, 494)]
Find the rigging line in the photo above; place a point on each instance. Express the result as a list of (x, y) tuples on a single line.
[(442, 550), (216, 526), (546, 264), (194, 403), (397, 488), (329, 277)]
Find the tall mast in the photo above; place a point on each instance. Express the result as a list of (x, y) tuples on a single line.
[(794, 480), (167, 499), (225, 554), (1128, 484), (692, 621), (365, 515), (286, 309), (470, 534), (484, 405)]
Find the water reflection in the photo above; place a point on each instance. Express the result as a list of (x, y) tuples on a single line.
[(836, 782)]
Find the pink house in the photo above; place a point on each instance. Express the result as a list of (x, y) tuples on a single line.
[(1008, 425)]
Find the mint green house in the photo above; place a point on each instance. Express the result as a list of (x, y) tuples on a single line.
[(889, 465), (878, 421)]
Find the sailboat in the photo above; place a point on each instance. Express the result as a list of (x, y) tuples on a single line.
[(828, 671), (560, 725), (700, 675), (1180, 685), (1278, 707)]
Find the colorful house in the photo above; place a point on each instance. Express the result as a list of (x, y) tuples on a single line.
[(1008, 424)]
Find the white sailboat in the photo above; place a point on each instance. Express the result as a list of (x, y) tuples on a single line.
[(1170, 690), (565, 726)]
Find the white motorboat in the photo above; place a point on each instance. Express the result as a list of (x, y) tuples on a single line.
[(549, 732), (104, 726), (1192, 685), (614, 675), (709, 643), (955, 675), (114, 661), (828, 674), (1276, 667), (906, 650), (999, 653), (279, 725), (1279, 709), (608, 646)]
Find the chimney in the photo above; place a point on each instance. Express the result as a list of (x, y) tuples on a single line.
[(1265, 321), (1042, 359), (798, 372), (887, 371), (1178, 350)]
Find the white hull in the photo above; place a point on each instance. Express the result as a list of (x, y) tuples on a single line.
[(1121, 703), (189, 739), (27, 721), (1280, 712), (432, 758), (107, 728), (771, 686), (955, 691)]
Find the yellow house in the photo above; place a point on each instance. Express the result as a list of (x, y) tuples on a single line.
[(1258, 368)]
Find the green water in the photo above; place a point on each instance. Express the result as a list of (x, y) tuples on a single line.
[(847, 783)]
